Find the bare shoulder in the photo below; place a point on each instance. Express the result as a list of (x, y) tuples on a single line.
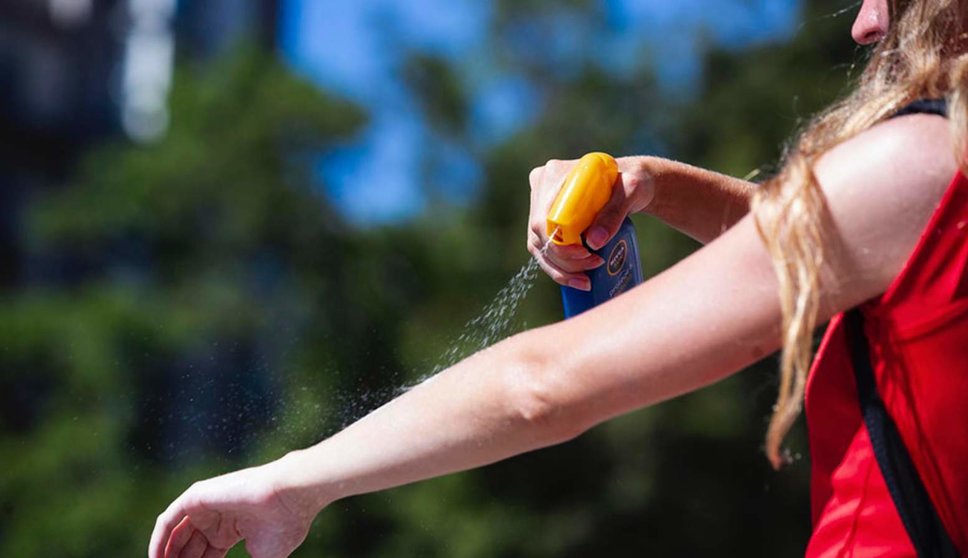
[(909, 157), (882, 187)]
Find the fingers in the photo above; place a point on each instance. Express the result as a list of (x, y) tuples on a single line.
[(610, 218), (200, 547), (189, 541), (222, 532), (213, 552), (177, 524), (574, 280), (564, 264), (196, 547), (541, 247), (575, 266), (545, 183), (534, 177), (164, 526), (180, 537)]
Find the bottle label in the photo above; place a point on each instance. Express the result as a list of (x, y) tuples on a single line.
[(616, 258)]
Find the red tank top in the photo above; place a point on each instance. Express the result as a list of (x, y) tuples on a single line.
[(918, 333)]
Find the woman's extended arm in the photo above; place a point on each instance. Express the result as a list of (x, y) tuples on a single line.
[(703, 319), (682, 330), (695, 201)]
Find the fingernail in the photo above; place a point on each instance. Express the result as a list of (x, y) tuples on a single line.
[(598, 261), (596, 237), (580, 284)]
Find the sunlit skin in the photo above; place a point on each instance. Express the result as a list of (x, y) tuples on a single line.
[(702, 320)]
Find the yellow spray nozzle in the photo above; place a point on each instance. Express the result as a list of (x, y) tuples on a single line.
[(584, 193)]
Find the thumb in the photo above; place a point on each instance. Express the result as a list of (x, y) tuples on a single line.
[(610, 218)]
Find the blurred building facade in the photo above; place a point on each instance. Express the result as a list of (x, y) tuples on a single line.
[(56, 63), (75, 72)]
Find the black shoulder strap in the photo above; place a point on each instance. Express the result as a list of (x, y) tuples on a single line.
[(930, 106), (910, 497)]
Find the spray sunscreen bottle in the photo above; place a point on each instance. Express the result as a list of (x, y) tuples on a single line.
[(586, 190)]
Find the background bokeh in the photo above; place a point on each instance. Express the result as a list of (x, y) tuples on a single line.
[(229, 227)]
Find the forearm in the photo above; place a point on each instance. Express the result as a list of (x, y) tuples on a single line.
[(695, 201), (482, 410)]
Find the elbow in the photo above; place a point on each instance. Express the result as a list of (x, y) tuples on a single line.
[(537, 399)]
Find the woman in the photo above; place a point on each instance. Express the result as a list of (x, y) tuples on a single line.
[(834, 229)]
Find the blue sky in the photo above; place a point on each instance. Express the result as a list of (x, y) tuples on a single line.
[(356, 49)]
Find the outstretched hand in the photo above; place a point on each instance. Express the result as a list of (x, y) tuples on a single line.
[(213, 515)]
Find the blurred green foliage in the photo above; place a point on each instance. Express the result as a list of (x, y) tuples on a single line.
[(198, 306)]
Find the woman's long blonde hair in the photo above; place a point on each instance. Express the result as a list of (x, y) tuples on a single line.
[(922, 56)]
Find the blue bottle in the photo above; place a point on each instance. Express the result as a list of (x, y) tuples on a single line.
[(621, 271)]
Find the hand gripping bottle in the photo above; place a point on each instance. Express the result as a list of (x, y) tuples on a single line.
[(586, 190)]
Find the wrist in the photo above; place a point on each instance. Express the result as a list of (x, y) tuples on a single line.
[(639, 177), (298, 485)]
